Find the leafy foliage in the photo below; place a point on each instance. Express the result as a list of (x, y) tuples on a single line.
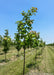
[(6, 42), (1, 39), (17, 42)]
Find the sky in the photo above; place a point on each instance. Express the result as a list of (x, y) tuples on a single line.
[(10, 12)]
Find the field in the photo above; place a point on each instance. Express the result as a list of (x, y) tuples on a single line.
[(14, 66)]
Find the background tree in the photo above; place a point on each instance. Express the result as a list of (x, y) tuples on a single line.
[(24, 26), (1, 40), (44, 44), (35, 37), (6, 43), (12, 42), (41, 43), (17, 42)]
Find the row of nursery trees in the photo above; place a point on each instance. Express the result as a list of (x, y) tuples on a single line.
[(24, 37), (51, 44)]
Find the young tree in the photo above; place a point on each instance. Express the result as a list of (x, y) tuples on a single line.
[(24, 26), (37, 45), (17, 42), (35, 42), (6, 43), (41, 43), (44, 44), (1, 39), (12, 42)]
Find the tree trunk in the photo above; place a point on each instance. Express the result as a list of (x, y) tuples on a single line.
[(24, 63), (24, 60), (5, 57), (35, 55), (18, 53)]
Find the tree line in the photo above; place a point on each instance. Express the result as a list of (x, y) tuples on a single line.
[(51, 44)]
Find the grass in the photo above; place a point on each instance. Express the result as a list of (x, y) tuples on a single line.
[(15, 64), (47, 65), (51, 60)]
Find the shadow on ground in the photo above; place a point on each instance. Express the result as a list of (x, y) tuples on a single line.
[(2, 61)]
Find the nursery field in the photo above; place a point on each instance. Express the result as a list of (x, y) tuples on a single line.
[(44, 64)]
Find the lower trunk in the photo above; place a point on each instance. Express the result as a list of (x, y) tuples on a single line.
[(24, 63), (36, 56), (5, 57), (18, 53)]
